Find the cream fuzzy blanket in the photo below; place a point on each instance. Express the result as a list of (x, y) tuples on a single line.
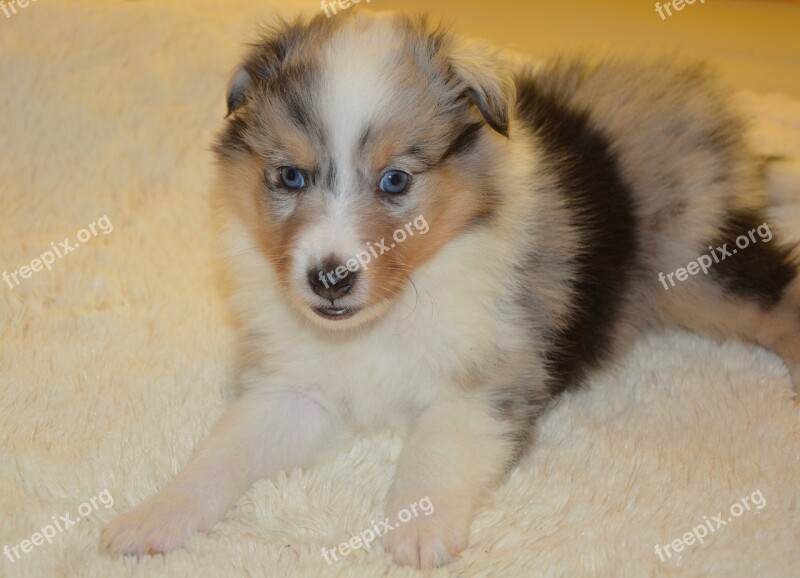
[(115, 361)]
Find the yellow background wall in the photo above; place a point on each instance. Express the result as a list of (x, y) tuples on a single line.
[(755, 42)]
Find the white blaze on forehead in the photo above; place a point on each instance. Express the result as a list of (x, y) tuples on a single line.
[(354, 92), (355, 87)]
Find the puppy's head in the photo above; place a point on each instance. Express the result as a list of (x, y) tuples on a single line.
[(356, 148)]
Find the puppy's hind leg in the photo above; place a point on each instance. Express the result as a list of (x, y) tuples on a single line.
[(260, 434), (752, 294)]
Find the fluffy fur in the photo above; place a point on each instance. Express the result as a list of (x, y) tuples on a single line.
[(555, 196)]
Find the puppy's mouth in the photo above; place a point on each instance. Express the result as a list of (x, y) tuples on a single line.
[(334, 313)]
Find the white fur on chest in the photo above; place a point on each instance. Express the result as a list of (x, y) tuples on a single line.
[(387, 372)]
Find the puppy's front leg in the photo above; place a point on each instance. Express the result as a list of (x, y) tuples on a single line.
[(260, 433), (458, 450)]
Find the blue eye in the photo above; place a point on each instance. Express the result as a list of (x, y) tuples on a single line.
[(292, 178), (394, 182)]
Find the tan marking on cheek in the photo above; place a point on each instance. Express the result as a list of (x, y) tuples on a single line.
[(449, 204), (245, 189), (243, 181), (447, 209), (274, 243), (387, 272), (279, 239)]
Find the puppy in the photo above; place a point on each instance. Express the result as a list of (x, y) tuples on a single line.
[(547, 214)]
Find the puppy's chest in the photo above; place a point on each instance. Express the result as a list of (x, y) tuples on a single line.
[(386, 376)]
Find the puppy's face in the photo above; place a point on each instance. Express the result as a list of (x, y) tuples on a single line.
[(357, 147)]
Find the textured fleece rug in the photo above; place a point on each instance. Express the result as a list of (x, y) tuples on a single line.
[(116, 351)]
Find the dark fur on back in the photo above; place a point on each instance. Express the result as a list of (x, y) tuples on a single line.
[(601, 209)]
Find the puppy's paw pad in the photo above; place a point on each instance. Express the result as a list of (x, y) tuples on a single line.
[(154, 527), (427, 541)]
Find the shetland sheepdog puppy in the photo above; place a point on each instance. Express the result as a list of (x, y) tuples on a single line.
[(548, 215)]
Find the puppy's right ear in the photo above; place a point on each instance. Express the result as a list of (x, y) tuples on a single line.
[(238, 90), (486, 81)]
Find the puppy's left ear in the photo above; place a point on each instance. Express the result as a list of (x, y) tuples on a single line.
[(487, 81)]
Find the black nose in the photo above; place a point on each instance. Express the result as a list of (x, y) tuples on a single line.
[(329, 284)]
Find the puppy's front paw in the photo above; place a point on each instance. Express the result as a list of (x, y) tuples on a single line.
[(427, 541), (156, 526)]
